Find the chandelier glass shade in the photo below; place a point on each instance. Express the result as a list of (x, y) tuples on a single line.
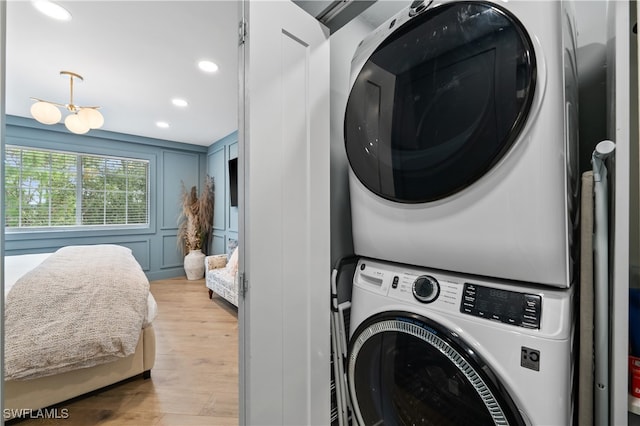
[(80, 120)]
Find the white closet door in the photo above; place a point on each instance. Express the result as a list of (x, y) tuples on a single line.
[(284, 229)]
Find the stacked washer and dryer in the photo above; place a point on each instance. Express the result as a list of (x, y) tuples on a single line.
[(461, 135)]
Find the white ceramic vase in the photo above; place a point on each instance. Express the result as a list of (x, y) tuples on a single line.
[(194, 264)]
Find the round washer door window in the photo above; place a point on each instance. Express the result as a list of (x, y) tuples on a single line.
[(440, 102), (406, 370)]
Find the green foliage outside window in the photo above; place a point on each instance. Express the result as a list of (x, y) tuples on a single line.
[(46, 188)]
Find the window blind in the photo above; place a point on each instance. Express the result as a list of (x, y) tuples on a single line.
[(46, 188)]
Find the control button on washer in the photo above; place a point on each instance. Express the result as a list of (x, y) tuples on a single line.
[(426, 289)]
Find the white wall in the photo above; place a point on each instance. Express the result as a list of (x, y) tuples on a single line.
[(634, 211), (343, 45), (591, 55), (592, 39), (591, 22)]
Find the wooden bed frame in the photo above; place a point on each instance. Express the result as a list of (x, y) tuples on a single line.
[(52, 390)]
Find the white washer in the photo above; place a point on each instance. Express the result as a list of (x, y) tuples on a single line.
[(469, 352), (461, 135)]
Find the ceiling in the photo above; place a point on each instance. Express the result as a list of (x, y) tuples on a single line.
[(135, 56)]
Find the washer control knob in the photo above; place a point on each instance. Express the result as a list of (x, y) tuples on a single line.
[(426, 289)]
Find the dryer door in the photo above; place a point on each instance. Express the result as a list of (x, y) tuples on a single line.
[(404, 369), (440, 101)]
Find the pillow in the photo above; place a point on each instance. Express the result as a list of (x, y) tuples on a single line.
[(217, 261), (231, 245), (232, 264)]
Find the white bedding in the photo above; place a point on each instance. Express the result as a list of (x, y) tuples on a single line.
[(80, 307), (16, 266)]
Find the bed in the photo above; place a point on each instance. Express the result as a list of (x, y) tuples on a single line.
[(104, 277)]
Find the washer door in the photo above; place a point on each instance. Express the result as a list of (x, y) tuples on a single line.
[(440, 102), (404, 369)]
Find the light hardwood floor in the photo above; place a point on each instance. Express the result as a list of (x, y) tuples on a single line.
[(195, 377)]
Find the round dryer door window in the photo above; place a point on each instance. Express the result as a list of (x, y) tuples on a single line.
[(404, 369), (440, 101)]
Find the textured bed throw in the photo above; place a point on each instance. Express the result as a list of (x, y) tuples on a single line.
[(82, 306)]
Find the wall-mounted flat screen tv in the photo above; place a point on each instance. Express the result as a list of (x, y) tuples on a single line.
[(233, 182)]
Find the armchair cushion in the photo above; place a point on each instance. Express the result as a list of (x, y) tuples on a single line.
[(220, 279)]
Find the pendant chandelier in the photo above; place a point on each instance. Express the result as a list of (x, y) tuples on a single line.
[(80, 120)]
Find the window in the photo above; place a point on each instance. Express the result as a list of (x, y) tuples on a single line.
[(45, 188)]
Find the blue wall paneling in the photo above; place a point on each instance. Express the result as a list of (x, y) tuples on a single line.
[(170, 163), (225, 218)]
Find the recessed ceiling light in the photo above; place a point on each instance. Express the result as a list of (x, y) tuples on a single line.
[(52, 10), (207, 66), (162, 124), (179, 102)]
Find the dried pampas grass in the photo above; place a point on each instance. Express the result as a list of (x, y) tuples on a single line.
[(196, 217)]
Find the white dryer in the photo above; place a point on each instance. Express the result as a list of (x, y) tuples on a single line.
[(461, 134), (429, 348)]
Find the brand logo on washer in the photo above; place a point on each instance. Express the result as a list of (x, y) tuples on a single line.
[(530, 358)]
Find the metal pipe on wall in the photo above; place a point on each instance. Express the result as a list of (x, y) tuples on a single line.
[(602, 151)]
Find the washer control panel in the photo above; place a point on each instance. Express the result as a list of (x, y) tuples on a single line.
[(510, 307)]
